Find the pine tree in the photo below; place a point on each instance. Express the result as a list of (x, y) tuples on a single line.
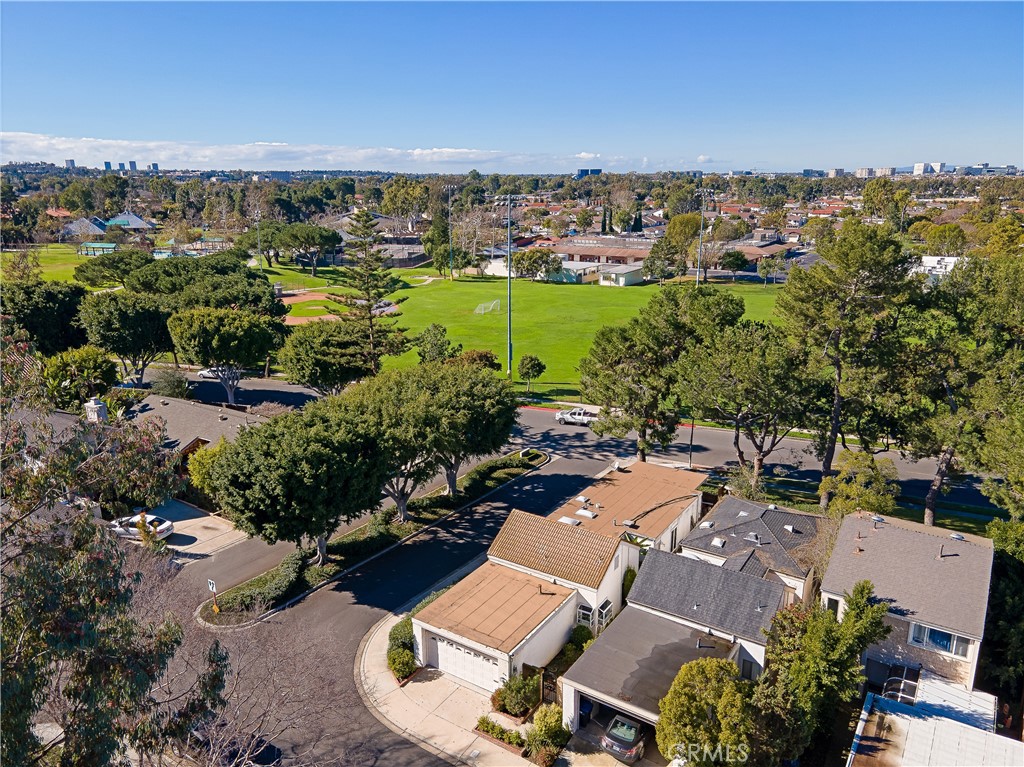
[(371, 282)]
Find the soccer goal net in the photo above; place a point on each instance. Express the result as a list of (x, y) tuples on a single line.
[(488, 307)]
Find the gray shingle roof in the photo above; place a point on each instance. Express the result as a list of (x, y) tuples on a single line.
[(735, 520), (187, 421), (707, 595), (638, 656), (902, 561)]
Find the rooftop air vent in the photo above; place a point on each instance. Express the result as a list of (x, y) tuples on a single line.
[(957, 537), (222, 417), (629, 523), (743, 514), (586, 513), (789, 528), (568, 521), (772, 507), (753, 538), (718, 543), (876, 518), (582, 499), (707, 524)]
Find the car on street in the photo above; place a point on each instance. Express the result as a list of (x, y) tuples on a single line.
[(577, 416), (624, 739), (128, 527), (211, 373)]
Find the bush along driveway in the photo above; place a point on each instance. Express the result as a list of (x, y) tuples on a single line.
[(295, 577)]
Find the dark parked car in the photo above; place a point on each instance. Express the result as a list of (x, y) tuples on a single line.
[(624, 739)]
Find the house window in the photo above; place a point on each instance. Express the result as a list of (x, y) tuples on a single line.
[(604, 614), (585, 615), (832, 605), (939, 641), (615, 562), (747, 671), (673, 536)]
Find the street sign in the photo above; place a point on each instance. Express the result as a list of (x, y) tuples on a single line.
[(213, 586)]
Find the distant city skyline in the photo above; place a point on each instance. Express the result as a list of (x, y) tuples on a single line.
[(639, 87)]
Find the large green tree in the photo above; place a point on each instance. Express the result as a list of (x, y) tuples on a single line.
[(227, 341), (433, 344), (405, 198), (75, 375), (297, 476), (747, 377), (308, 243), (130, 326), (370, 281), (707, 706), (324, 355), (47, 311), (112, 268), (847, 311)]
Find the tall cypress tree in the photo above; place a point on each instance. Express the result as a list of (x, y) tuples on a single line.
[(371, 282)]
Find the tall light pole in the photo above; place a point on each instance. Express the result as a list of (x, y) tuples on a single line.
[(451, 253), (704, 194), (259, 244), (508, 296)]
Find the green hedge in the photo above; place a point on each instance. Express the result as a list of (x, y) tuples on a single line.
[(267, 589), (495, 730), (400, 637)]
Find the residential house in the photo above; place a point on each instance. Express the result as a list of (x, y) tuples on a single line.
[(85, 227), (762, 540), (130, 222), (605, 250), (679, 610), (546, 574), (936, 584), (191, 425)]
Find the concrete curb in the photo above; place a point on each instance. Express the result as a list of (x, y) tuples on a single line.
[(294, 600)]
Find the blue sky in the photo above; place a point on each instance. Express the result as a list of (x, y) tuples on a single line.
[(515, 87)]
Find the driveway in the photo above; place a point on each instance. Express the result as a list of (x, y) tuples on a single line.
[(197, 534)]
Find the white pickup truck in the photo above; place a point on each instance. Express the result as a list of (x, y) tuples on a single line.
[(577, 416)]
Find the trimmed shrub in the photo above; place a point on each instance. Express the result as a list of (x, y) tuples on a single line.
[(498, 700), (580, 635), (401, 662), (571, 652), (627, 581), (495, 730), (586, 645), (519, 694), (546, 756), (401, 636), (547, 724), (267, 589)]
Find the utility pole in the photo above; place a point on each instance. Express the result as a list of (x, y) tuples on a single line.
[(704, 194), (508, 296)]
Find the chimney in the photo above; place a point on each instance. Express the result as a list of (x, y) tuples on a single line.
[(96, 410)]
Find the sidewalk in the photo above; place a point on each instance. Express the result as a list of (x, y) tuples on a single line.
[(432, 710)]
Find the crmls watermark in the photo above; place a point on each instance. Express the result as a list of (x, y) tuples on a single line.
[(688, 753)]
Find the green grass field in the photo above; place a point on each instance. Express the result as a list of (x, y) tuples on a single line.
[(552, 321), (313, 308), (58, 262)]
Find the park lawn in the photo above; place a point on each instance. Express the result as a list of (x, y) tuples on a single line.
[(58, 262), (555, 322), (312, 308)]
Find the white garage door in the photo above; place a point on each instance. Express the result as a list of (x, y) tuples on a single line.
[(466, 663)]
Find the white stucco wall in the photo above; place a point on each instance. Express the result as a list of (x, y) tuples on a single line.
[(546, 640)]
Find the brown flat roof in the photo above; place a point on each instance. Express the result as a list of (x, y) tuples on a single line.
[(651, 495), (495, 606)]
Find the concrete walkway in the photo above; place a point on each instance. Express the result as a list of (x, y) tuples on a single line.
[(432, 710)]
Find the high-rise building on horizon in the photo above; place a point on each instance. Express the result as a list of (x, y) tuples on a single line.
[(69, 164), (835, 173), (864, 173), (132, 166), (108, 165)]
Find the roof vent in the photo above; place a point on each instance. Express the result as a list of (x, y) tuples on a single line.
[(753, 538), (696, 605), (223, 417), (718, 543), (163, 402), (760, 607), (586, 513), (568, 521), (629, 523), (876, 518), (957, 537), (707, 524), (789, 528), (743, 514), (772, 507), (582, 499), (616, 466)]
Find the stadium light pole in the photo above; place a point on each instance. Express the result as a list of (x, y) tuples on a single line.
[(451, 253), (704, 194), (259, 243), (508, 295)]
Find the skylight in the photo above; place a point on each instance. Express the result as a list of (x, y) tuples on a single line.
[(718, 543)]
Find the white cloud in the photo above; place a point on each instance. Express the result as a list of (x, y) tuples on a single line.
[(704, 158), (587, 155), (257, 155)]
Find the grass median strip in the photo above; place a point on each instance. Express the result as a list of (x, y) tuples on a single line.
[(295, 575)]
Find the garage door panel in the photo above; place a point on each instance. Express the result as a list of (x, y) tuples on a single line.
[(468, 664)]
